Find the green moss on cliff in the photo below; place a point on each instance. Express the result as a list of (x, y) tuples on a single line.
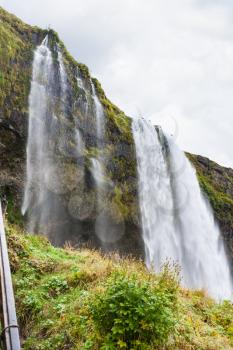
[(16, 51), (220, 202), (216, 183)]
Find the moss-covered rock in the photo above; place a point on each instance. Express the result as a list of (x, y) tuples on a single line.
[(217, 184)]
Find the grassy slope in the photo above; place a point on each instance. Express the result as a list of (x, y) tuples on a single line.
[(70, 299)]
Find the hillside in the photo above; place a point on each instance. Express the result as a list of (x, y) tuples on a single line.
[(81, 299)]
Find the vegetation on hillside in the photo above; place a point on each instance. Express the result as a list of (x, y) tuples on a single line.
[(81, 299), (16, 51)]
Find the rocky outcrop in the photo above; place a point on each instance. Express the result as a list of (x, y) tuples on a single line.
[(217, 184)]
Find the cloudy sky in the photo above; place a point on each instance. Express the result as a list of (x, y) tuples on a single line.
[(170, 61)]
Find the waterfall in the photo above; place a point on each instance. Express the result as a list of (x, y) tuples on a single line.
[(79, 143), (100, 119), (102, 225), (177, 221), (38, 160), (98, 164), (79, 80), (99, 176), (46, 136), (63, 75), (59, 126)]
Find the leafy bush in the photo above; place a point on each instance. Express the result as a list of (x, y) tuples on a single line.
[(32, 305), (56, 285), (132, 314)]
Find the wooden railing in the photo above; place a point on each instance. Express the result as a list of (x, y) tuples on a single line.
[(10, 331)]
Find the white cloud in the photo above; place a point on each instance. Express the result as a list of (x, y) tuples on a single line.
[(155, 57)]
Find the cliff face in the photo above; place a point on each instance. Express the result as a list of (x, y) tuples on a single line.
[(17, 43), (120, 206)]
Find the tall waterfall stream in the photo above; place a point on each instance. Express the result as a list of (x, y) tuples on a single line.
[(177, 221)]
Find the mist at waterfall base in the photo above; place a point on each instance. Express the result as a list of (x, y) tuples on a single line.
[(177, 221)]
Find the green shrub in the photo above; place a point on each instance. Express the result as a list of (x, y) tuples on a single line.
[(56, 285), (31, 304), (131, 314)]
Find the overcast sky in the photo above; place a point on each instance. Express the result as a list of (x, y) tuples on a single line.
[(170, 61)]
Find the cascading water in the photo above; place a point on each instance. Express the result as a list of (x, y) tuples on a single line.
[(38, 160), (104, 228), (79, 80), (57, 198), (177, 221), (97, 164), (46, 134), (99, 176), (63, 76), (100, 119)]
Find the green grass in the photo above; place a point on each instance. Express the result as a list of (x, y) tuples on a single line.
[(81, 299)]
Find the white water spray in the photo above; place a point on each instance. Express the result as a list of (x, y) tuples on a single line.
[(44, 136), (100, 119), (97, 164), (63, 75), (39, 102), (177, 221), (103, 225), (79, 80), (98, 174)]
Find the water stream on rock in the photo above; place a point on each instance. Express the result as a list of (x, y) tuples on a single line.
[(59, 126), (45, 135), (38, 160), (98, 169), (177, 221), (63, 75), (100, 119)]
